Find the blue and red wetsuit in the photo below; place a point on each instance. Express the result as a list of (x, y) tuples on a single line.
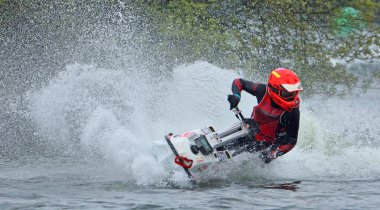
[(278, 128)]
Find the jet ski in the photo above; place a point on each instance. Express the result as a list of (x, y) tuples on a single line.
[(198, 150)]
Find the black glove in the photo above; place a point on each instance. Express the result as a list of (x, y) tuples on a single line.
[(234, 100)]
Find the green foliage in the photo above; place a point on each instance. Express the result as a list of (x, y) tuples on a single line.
[(348, 21), (258, 36), (253, 35)]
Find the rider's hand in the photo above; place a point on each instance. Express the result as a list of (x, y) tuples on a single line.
[(234, 100)]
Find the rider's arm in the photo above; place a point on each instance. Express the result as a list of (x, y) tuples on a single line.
[(284, 143), (253, 88), (287, 142)]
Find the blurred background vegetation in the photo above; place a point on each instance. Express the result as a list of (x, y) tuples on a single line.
[(317, 39), (312, 37)]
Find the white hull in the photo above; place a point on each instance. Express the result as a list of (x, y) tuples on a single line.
[(198, 149)]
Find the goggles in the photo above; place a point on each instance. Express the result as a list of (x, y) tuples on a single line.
[(288, 96)]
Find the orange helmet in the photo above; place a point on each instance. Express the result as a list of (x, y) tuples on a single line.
[(283, 88)]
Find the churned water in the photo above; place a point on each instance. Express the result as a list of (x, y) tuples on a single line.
[(93, 129)]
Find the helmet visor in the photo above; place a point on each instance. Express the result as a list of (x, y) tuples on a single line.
[(292, 87)]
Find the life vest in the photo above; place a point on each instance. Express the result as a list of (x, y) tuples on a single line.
[(268, 119)]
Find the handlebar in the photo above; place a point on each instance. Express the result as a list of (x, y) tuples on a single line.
[(238, 113), (254, 127)]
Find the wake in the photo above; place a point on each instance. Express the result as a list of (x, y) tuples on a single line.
[(117, 114)]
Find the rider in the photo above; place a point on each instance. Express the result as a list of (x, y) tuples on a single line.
[(277, 113)]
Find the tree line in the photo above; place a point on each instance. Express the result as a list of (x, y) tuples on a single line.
[(255, 36), (258, 36)]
